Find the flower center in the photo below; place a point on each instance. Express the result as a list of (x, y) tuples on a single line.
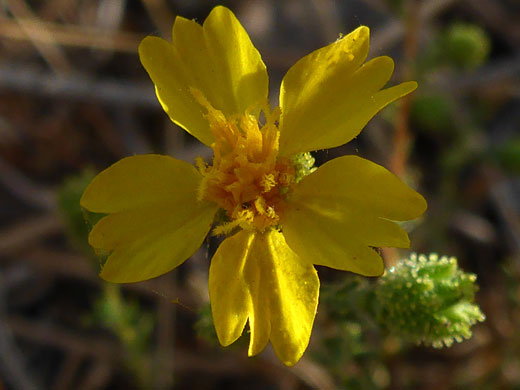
[(247, 179)]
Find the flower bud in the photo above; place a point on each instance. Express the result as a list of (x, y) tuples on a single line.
[(428, 300)]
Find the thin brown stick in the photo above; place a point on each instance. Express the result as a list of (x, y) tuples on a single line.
[(71, 265), (11, 357), (121, 92), (63, 339), (97, 377), (25, 189), (390, 34), (402, 135), (70, 35), (165, 327), (68, 371), (40, 36), (20, 236)]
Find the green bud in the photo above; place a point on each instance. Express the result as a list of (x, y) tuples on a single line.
[(466, 46), (303, 165), (428, 300)]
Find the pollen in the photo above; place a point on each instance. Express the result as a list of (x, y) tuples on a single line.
[(246, 178)]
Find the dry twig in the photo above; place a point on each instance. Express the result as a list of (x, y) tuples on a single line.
[(40, 36)]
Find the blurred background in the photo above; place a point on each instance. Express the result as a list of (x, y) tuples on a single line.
[(74, 99)]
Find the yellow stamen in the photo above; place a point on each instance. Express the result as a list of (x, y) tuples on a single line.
[(268, 182), (246, 177)]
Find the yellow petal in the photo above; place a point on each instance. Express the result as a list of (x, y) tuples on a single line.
[(278, 291), (239, 77), (217, 58), (293, 296), (155, 220), (327, 97), (138, 181), (260, 287), (351, 181), (330, 242), (229, 294), (336, 213), (150, 241), (172, 80)]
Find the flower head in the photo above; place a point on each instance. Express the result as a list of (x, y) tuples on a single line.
[(429, 299), (212, 82)]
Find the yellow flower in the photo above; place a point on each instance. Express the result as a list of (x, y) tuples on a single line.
[(212, 82)]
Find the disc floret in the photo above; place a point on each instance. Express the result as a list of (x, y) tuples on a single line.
[(247, 177)]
